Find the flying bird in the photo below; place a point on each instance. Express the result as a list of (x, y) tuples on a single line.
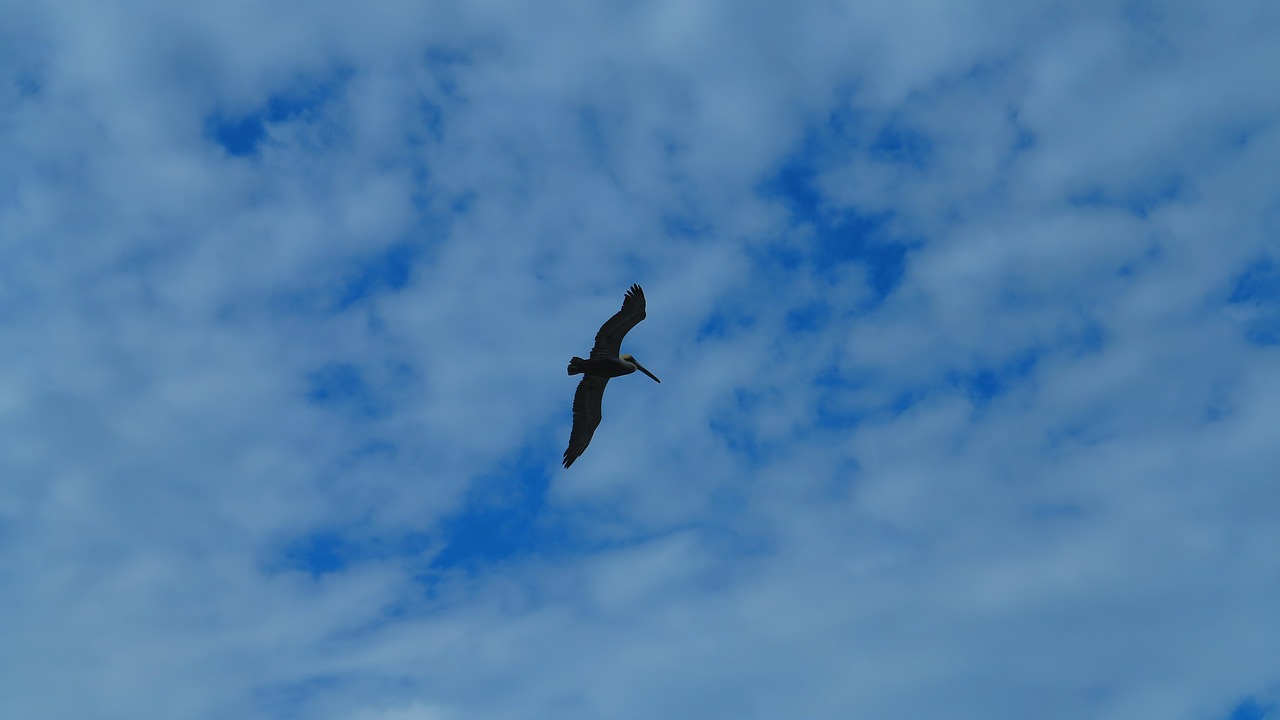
[(603, 364)]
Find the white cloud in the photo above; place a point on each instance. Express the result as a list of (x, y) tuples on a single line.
[(248, 394)]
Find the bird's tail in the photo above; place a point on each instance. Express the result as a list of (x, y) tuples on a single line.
[(575, 365)]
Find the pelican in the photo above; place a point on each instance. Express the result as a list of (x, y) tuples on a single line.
[(603, 364)]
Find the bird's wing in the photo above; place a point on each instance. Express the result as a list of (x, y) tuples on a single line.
[(586, 416), (609, 339)]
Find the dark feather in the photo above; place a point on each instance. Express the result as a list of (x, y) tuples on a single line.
[(609, 339), (586, 416)]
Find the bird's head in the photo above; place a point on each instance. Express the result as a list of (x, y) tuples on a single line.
[(631, 360)]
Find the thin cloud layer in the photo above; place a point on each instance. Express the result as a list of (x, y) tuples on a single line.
[(966, 316)]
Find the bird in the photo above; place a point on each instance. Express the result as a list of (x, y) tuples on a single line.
[(604, 363)]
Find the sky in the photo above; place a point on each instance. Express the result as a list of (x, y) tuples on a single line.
[(967, 316)]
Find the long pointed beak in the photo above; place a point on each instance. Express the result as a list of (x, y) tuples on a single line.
[(646, 372)]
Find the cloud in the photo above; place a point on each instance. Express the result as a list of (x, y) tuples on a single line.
[(965, 317)]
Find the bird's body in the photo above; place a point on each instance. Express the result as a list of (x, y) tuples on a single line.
[(604, 363), (603, 367)]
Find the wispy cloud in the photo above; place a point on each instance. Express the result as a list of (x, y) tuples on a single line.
[(966, 317)]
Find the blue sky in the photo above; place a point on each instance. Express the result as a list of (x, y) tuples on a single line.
[(967, 317)]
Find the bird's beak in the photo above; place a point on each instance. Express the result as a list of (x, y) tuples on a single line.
[(646, 372)]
